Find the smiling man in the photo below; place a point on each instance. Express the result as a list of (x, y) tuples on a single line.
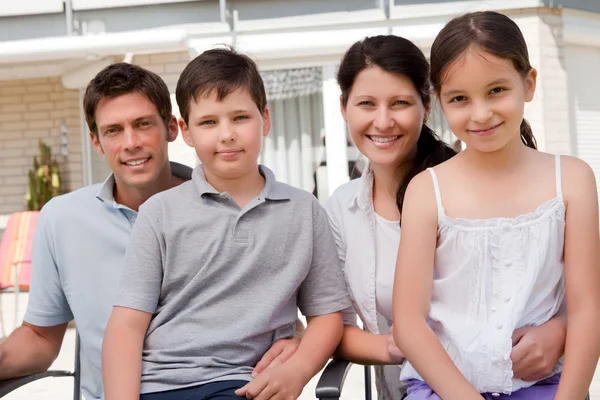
[(81, 237)]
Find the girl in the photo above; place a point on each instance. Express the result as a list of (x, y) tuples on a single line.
[(385, 101), (493, 236)]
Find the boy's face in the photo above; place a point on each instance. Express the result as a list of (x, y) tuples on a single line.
[(227, 134), (133, 139)]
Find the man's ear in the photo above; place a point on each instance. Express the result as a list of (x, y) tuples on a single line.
[(173, 129), (96, 143)]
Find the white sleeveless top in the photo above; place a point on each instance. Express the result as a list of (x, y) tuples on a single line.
[(492, 276)]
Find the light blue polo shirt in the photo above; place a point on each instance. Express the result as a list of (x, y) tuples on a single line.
[(78, 255)]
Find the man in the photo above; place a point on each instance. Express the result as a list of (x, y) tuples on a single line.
[(81, 237)]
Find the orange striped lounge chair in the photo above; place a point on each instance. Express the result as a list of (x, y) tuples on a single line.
[(15, 256)]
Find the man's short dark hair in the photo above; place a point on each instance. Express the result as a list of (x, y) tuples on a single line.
[(223, 70), (123, 78)]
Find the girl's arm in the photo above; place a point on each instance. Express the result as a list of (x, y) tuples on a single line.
[(122, 353), (582, 278), (412, 295), (366, 348)]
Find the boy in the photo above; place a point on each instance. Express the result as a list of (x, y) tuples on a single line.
[(217, 266)]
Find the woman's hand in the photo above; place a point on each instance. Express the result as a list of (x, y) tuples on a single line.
[(537, 349)]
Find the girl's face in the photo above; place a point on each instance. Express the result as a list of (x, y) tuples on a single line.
[(384, 114), (483, 97)]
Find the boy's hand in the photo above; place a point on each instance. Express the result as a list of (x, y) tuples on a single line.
[(282, 383), (279, 353)]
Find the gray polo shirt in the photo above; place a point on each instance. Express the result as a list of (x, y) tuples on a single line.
[(78, 254), (224, 283)]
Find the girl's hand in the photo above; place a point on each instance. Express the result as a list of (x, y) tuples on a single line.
[(536, 350)]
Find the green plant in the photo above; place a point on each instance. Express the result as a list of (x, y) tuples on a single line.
[(44, 179)]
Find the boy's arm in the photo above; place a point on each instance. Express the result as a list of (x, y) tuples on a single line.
[(136, 301), (122, 353), (412, 295), (582, 279), (320, 339)]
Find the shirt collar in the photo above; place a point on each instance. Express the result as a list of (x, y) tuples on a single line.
[(363, 197), (273, 190), (106, 191)]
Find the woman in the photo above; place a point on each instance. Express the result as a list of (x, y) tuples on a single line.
[(386, 102)]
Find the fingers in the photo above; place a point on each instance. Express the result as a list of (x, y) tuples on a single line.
[(518, 335), (518, 356), (252, 389), (268, 358)]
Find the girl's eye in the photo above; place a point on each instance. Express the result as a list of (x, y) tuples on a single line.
[(458, 99), (498, 90), (366, 103), (401, 103)]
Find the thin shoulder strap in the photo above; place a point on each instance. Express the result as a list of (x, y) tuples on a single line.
[(436, 186), (558, 176)]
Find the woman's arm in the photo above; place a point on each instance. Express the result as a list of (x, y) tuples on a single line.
[(366, 348), (537, 349), (412, 295), (122, 353), (582, 279)]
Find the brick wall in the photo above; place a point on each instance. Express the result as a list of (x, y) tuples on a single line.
[(31, 110)]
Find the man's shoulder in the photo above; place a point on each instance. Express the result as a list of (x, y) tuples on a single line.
[(69, 202)]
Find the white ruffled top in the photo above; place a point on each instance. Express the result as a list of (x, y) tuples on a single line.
[(492, 276)]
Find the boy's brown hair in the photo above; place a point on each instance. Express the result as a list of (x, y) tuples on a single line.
[(223, 70)]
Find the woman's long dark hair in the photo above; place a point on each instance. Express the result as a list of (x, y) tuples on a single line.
[(400, 56), (493, 32)]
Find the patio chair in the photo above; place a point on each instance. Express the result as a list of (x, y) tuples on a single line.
[(10, 385), (332, 380), (15, 257)]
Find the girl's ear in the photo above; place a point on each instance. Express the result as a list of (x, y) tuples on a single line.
[(530, 84)]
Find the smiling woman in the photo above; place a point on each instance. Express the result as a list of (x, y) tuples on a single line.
[(385, 102)]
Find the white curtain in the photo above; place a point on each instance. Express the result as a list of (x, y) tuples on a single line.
[(294, 147)]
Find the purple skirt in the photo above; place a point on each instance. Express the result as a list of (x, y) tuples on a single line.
[(543, 390)]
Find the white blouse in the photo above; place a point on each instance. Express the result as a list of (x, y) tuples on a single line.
[(492, 276), (387, 240), (353, 223)]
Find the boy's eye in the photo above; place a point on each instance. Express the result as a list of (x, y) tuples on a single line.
[(240, 117), (497, 90), (207, 122)]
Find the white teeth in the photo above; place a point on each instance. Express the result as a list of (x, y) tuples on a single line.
[(380, 139), (137, 162)]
